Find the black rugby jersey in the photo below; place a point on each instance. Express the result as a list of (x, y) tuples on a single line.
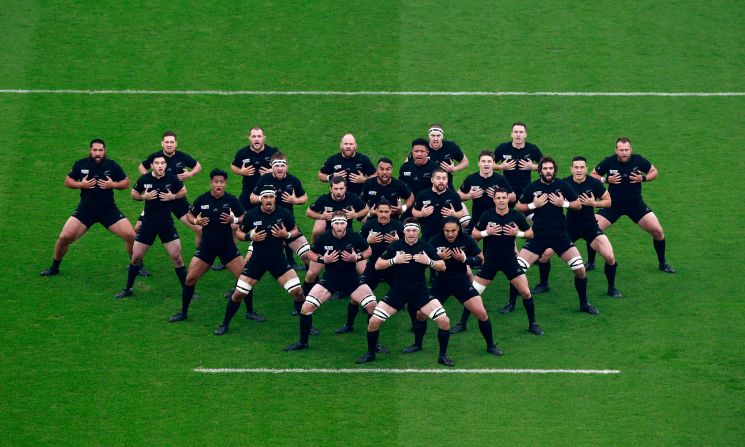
[(156, 210), (434, 222), (373, 191), (454, 268), (290, 184), (501, 245), (392, 227), (351, 241), (248, 157), (350, 202), (417, 178), (409, 275), (586, 214), (484, 202), (518, 178), (548, 220), (359, 164), (209, 206), (624, 192), (87, 167), (258, 220)]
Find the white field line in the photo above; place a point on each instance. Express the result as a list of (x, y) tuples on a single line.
[(400, 371), (351, 93)]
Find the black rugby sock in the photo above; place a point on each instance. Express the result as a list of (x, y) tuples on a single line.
[(372, 341), (132, 273), (659, 247), (486, 331), (590, 254), (544, 268), (249, 299), (230, 310), (352, 310), (181, 274), (464, 316), (420, 328), (581, 285), (610, 274), (187, 292), (513, 295), (529, 306), (298, 305), (56, 263), (443, 336), (306, 322)]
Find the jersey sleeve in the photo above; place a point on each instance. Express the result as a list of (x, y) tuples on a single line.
[(504, 183), (360, 243), (194, 210), (404, 190), (465, 187), (522, 222), (389, 253), (527, 196), (367, 167), (148, 162), (177, 186), (290, 221), (317, 246), (238, 159), (299, 191), (458, 153), (644, 164), (117, 173), (140, 185), (418, 202), (602, 167), (365, 194), (189, 161), (472, 248), (236, 206), (328, 166), (75, 173), (569, 193), (598, 189), (260, 184), (357, 203), (483, 220), (317, 206), (366, 228), (431, 252), (537, 154)]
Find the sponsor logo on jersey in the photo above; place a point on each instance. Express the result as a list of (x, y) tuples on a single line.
[(337, 167), (205, 207), (257, 223), (407, 173), (148, 185), (426, 202), (84, 171)]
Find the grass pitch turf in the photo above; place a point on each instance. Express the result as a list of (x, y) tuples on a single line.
[(82, 368)]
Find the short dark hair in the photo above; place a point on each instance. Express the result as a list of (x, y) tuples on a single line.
[(500, 189), (409, 220), (486, 154), (384, 201), (519, 123), (547, 159), (420, 142), (579, 158), (97, 140), (159, 156), (169, 133), (218, 173), (622, 140), (255, 128), (336, 180), (438, 169), (279, 155), (385, 160), (339, 213)]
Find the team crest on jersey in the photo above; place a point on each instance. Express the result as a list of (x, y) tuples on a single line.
[(84, 171), (328, 247), (205, 207), (337, 167), (257, 223), (507, 157), (612, 171), (373, 193), (537, 193), (328, 209), (426, 202), (407, 173), (148, 185)]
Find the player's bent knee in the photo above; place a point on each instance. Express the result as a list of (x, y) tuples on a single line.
[(292, 285), (380, 314), (367, 300), (311, 304), (576, 263), (243, 287), (438, 313), (302, 250)]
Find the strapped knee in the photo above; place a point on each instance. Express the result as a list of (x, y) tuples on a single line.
[(380, 313), (367, 300), (314, 301), (292, 284), (303, 249), (437, 313), (243, 287), (576, 263)]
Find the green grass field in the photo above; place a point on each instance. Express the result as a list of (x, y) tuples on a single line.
[(81, 368)]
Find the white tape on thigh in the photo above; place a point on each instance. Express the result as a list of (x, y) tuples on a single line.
[(367, 300), (243, 286), (437, 313), (303, 249), (313, 300), (292, 283), (251, 247), (464, 219), (576, 263), (479, 287), (380, 313), (523, 263)]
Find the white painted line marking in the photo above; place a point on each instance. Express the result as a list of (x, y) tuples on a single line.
[(399, 371), (351, 93)]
